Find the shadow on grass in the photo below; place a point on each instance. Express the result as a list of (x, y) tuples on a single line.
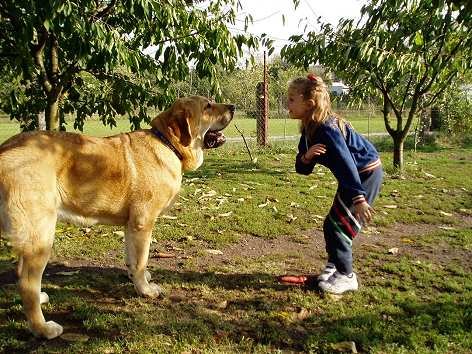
[(256, 314), (232, 170)]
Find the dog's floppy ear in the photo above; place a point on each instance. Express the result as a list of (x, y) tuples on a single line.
[(180, 125)]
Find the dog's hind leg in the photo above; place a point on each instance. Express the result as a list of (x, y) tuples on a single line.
[(138, 239), (33, 261)]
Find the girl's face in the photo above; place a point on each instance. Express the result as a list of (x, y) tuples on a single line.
[(298, 107)]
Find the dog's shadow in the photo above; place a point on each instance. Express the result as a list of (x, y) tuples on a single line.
[(80, 294)]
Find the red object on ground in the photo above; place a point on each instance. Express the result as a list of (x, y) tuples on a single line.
[(293, 279)]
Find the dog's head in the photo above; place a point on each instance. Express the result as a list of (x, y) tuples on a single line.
[(195, 123)]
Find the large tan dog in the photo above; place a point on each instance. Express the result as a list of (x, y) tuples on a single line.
[(127, 179)]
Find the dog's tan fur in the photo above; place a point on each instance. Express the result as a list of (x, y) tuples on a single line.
[(127, 179)]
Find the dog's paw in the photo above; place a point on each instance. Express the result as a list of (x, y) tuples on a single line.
[(43, 298), (151, 290), (49, 330)]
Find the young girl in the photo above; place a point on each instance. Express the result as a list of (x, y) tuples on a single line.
[(330, 141)]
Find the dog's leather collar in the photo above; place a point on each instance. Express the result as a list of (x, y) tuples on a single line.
[(167, 142)]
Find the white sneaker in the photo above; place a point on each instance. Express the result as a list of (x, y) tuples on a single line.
[(339, 283), (327, 272)]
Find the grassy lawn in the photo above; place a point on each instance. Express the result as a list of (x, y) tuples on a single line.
[(277, 127), (265, 220)]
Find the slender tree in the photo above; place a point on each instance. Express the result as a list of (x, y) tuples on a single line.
[(405, 51), (109, 57)]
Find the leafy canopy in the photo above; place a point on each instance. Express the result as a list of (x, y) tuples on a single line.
[(90, 55), (404, 51)]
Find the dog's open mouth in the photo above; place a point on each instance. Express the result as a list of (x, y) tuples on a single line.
[(213, 139)]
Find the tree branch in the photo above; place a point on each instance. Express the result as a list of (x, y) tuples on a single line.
[(37, 52), (441, 90), (104, 11), (406, 93)]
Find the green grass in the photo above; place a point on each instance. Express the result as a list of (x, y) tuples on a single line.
[(417, 301), (277, 127)]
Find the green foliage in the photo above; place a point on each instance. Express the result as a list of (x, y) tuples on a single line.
[(110, 57), (455, 111), (405, 52)]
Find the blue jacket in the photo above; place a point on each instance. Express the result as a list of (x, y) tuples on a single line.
[(346, 156)]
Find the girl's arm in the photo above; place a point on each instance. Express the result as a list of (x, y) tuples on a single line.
[(302, 165), (342, 165)]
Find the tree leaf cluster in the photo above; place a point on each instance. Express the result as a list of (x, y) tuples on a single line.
[(111, 57)]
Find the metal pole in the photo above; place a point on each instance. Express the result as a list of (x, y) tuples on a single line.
[(266, 104)]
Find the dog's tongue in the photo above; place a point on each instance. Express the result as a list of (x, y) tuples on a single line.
[(213, 139)]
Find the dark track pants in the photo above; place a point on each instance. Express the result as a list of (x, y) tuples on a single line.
[(341, 227)]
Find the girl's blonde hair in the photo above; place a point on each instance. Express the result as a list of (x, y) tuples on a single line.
[(313, 88)]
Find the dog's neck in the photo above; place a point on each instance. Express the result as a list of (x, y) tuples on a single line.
[(191, 158), (167, 142)]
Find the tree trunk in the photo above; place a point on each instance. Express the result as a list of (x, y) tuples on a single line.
[(41, 120), (52, 114), (398, 153)]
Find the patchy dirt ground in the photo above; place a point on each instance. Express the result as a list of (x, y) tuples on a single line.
[(307, 247)]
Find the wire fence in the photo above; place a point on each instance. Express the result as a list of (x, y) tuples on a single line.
[(261, 109)]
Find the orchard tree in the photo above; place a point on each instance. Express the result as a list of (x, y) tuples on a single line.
[(405, 51), (109, 57)]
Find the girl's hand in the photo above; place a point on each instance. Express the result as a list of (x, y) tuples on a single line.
[(364, 212), (315, 150)]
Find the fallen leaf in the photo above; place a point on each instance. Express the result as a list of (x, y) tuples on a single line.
[(119, 233), (222, 305), (211, 251), (208, 194), (169, 217), (407, 240), (444, 213), (390, 206), (225, 214), (429, 175), (446, 228), (302, 314), (393, 250), (349, 347), (263, 205), (174, 248), (164, 255), (291, 218)]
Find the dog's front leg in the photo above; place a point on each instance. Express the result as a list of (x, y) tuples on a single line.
[(138, 239)]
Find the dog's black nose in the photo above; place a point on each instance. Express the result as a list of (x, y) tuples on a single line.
[(231, 107)]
